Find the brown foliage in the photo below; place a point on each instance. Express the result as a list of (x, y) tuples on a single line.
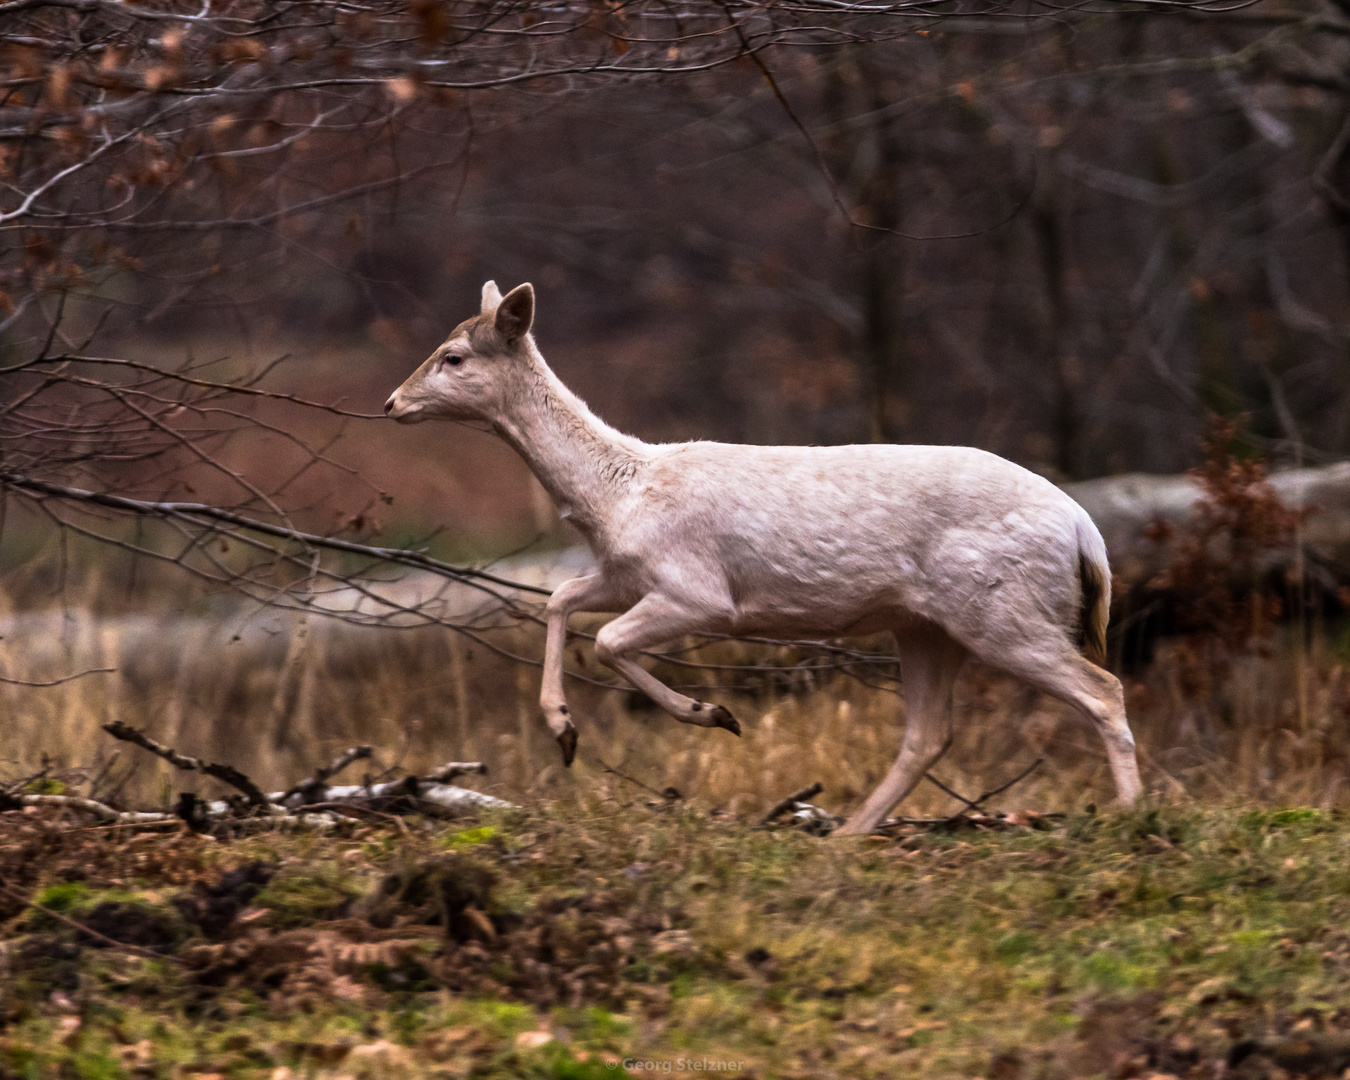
[(435, 921), (1219, 575), (438, 923), (38, 845)]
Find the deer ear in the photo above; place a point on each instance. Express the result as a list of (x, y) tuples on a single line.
[(492, 296), (515, 314)]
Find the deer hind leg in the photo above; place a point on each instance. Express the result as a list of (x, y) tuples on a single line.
[(652, 621), (1055, 666), (929, 663), (589, 593)]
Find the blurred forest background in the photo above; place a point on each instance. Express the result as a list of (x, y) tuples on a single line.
[(1068, 234)]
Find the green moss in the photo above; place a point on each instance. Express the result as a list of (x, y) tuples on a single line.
[(561, 1065), (470, 837), (595, 1024), (1012, 947), (65, 897), (302, 896), (97, 1065)]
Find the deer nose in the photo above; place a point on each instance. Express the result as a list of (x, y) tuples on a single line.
[(389, 405)]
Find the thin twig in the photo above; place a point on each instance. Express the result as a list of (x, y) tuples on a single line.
[(827, 173), (974, 804), (343, 809), (935, 823), (102, 775), (171, 820), (204, 512), (939, 784), (56, 682), (1015, 780), (624, 776)]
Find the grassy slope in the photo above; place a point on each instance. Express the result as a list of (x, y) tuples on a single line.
[(1113, 945)]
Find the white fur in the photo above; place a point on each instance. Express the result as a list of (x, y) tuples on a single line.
[(953, 550)]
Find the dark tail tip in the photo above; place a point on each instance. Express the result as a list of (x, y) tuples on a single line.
[(1095, 611)]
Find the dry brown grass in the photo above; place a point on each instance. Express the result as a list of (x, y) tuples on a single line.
[(244, 686)]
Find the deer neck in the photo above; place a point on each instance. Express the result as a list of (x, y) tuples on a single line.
[(584, 464)]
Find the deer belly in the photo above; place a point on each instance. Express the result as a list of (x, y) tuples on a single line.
[(817, 626), (837, 610)]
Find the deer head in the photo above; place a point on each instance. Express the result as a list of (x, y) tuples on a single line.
[(473, 374)]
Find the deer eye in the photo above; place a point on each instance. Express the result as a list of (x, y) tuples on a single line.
[(453, 359)]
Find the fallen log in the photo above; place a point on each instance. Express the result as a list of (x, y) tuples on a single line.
[(100, 810), (411, 794), (1127, 509)]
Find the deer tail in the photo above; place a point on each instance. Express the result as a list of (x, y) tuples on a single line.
[(1095, 574)]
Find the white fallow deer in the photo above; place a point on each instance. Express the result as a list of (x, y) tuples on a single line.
[(954, 551)]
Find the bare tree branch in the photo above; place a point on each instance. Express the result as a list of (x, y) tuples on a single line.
[(225, 773)]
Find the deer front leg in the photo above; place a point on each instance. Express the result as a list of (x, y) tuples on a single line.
[(654, 620), (590, 593)]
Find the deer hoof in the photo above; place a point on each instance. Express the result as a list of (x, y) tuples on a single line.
[(724, 719), (568, 743)]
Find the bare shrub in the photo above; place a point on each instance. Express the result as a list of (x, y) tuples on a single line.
[(1218, 581)]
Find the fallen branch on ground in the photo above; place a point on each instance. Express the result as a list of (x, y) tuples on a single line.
[(790, 803), (92, 806), (816, 820), (969, 816), (227, 773), (670, 794), (1020, 819), (306, 788), (420, 794), (973, 805), (311, 803)]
